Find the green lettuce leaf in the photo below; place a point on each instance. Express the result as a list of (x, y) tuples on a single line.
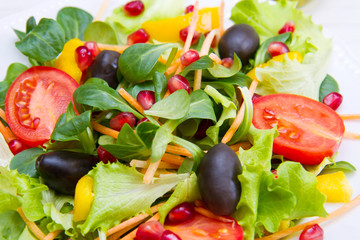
[(11, 225)]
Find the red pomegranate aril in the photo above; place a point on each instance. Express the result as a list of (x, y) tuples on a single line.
[(203, 126), (104, 156), (189, 57), (184, 33), (151, 230), (146, 99), (93, 48), (140, 36), (255, 96), (16, 146), (169, 235), (83, 57), (274, 172), (312, 232), (119, 120), (134, 8), (142, 120), (181, 213), (333, 100), (288, 27), (189, 9), (178, 82), (227, 62), (277, 48)]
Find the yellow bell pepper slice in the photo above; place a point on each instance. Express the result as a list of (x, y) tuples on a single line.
[(83, 198), (335, 186), (167, 30), (66, 60), (291, 55)]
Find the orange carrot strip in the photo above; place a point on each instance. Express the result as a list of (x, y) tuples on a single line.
[(52, 235), (239, 116), (31, 225), (215, 58), (105, 130), (207, 213), (132, 235), (178, 150), (7, 133), (243, 145), (150, 172), (2, 114), (101, 11), (353, 203), (350, 116), (167, 93), (221, 17), (173, 159), (116, 48), (351, 135), (172, 68), (132, 101), (192, 27), (144, 164)]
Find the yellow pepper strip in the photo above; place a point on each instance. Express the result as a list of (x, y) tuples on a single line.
[(208, 19), (335, 186), (66, 60), (83, 198), (279, 58)]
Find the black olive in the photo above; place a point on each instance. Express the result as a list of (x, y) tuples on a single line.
[(241, 39), (61, 170), (105, 66), (218, 179)]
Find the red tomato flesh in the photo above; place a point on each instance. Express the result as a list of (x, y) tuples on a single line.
[(34, 102), (204, 228), (309, 131)]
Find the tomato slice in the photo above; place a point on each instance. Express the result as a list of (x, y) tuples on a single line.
[(35, 100), (309, 130), (204, 228)]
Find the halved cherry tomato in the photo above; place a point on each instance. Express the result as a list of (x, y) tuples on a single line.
[(309, 130), (35, 100), (204, 228)]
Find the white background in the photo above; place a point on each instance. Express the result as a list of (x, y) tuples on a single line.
[(341, 21)]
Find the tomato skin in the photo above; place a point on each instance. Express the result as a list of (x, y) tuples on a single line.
[(34, 102), (309, 131)]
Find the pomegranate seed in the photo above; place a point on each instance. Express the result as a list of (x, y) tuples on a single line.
[(151, 230), (227, 62), (275, 173), (142, 120), (277, 48), (333, 100), (177, 82), (119, 120), (255, 96), (104, 156), (140, 36), (184, 33), (16, 146), (189, 9), (203, 126), (134, 8), (181, 213), (83, 57), (313, 232), (93, 48), (288, 27), (146, 99), (169, 235), (189, 57)]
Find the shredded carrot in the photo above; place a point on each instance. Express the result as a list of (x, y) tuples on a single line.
[(173, 159), (31, 225), (52, 235), (2, 114), (207, 213), (167, 93), (102, 9), (350, 116), (144, 164), (215, 58), (221, 17), (150, 172), (132, 101), (7, 133), (239, 116), (116, 48), (199, 203), (178, 150), (243, 145), (132, 234), (300, 227), (173, 67), (351, 135), (192, 27), (105, 130)]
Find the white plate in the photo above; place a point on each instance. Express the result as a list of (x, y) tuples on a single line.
[(340, 20)]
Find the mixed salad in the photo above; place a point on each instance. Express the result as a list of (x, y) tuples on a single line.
[(159, 123)]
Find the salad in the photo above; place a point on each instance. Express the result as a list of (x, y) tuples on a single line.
[(117, 130)]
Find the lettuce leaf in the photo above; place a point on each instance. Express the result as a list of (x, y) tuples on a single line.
[(120, 194)]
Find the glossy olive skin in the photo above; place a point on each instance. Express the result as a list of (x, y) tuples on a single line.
[(61, 170), (218, 179), (241, 39), (105, 66)]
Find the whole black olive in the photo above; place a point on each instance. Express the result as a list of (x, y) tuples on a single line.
[(218, 179), (105, 66), (241, 39), (61, 170)]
